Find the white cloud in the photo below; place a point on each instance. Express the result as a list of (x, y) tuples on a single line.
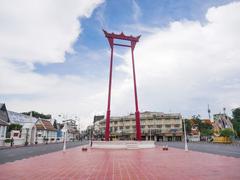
[(180, 68), (41, 31), (136, 10), (188, 65)]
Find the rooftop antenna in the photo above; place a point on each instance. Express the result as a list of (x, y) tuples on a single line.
[(209, 112)]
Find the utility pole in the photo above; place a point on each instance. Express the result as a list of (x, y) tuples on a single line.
[(185, 136)]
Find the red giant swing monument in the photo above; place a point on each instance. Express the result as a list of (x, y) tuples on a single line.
[(122, 144)]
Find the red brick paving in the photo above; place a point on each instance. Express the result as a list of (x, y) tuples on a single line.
[(123, 164)]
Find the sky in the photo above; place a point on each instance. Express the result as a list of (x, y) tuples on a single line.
[(54, 57)]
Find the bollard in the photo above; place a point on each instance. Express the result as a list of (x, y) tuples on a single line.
[(84, 149), (165, 147)]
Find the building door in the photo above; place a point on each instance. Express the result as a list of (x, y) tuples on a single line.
[(159, 138), (178, 138)]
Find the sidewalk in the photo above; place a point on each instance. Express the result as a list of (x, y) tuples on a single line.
[(29, 145), (123, 164), (34, 145)]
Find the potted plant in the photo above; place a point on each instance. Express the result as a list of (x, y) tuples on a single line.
[(7, 142)]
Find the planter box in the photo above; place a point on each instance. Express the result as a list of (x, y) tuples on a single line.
[(123, 144), (7, 144), (220, 139)]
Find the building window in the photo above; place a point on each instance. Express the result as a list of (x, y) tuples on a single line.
[(159, 126), (176, 125), (115, 122), (2, 131), (127, 127), (167, 126), (142, 126)]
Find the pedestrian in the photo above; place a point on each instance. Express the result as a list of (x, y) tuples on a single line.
[(12, 142)]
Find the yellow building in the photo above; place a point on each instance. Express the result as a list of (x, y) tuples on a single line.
[(156, 126)]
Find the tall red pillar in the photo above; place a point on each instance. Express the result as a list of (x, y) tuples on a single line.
[(137, 114), (107, 131), (133, 40)]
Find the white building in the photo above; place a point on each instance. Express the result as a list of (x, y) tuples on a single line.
[(28, 132), (4, 122), (156, 126), (72, 131), (46, 133)]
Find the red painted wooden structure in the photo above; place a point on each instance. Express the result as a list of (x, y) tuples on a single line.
[(133, 40)]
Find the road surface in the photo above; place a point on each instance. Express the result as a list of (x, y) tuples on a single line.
[(13, 154), (232, 150)]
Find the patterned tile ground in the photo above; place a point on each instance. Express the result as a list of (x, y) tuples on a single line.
[(123, 164)]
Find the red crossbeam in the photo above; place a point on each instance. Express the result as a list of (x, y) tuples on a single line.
[(124, 45), (121, 36)]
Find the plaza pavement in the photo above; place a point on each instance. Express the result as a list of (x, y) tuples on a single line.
[(123, 164), (11, 154)]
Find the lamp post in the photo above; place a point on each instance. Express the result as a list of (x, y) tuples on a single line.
[(65, 137), (185, 136), (122, 128), (150, 133), (91, 137)]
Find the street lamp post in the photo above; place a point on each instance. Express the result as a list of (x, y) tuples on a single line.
[(91, 137), (65, 137), (122, 128), (150, 133), (185, 136)]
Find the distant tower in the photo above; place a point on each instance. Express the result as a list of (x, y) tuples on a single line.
[(209, 112), (224, 111)]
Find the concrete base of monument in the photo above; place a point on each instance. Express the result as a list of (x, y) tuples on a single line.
[(123, 144)]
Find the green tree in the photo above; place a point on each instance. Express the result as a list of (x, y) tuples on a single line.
[(205, 129), (227, 132), (196, 120), (14, 127), (206, 132), (236, 121), (188, 126), (205, 126), (11, 127), (38, 115)]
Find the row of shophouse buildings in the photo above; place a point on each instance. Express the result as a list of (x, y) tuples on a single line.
[(157, 126), (33, 130)]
